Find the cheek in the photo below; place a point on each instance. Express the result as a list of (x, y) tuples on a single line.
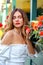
[(22, 22)]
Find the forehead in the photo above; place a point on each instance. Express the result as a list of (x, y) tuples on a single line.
[(17, 13)]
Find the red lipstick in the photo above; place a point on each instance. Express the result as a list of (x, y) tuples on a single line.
[(17, 23)]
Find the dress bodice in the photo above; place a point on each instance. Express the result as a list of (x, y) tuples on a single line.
[(13, 53), (18, 52)]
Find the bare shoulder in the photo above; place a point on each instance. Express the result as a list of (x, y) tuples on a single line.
[(7, 37), (9, 33)]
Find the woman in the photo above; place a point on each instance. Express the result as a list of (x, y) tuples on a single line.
[(15, 42)]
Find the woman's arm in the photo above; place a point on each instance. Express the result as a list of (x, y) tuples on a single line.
[(30, 50), (30, 47), (29, 43), (4, 54)]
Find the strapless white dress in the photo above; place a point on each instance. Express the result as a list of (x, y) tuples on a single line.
[(15, 54)]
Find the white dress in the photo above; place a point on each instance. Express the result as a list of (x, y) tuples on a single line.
[(15, 54)]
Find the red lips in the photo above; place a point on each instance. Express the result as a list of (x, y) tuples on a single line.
[(1, 24), (17, 22)]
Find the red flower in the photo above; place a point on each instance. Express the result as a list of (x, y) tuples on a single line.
[(1, 24), (35, 27), (41, 33), (39, 23), (27, 29), (32, 24), (40, 18)]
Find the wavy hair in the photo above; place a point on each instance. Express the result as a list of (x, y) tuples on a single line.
[(10, 20)]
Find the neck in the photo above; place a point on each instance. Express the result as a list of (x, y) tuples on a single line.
[(17, 30)]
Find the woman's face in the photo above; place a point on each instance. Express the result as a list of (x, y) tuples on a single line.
[(17, 19)]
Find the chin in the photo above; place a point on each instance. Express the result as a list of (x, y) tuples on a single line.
[(18, 26)]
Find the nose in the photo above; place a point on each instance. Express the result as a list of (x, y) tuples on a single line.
[(17, 20)]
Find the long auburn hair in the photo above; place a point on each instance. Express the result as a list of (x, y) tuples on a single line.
[(10, 20)]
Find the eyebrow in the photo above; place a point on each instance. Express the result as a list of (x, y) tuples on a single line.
[(18, 15)]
